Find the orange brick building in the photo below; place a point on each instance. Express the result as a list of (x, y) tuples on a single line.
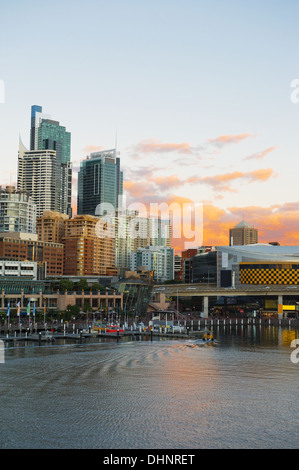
[(26, 247)]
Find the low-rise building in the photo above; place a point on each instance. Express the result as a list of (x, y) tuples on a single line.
[(257, 264)]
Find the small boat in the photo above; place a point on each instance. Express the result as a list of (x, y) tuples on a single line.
[(114, 329)]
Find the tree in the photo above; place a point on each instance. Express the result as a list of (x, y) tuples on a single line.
[(66, 284), (82, 285), (87, 307), (96, 287), (71, 311)]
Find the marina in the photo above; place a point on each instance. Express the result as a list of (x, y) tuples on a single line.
[(79, 332), (176, 393)]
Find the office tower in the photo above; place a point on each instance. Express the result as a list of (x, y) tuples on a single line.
[(36, 118), (51, 227), (243, 234), (17, 211), (100, 181), (86, 253), (159, 260), (47, 134)]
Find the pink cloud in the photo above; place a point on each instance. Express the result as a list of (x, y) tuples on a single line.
[(260, 155), (230, 139)]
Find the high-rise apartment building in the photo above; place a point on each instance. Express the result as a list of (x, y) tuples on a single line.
[(48, 137), (85, 252), (133, 231), (243, 234), (37, 177), (17, 211), (159, 260), (100, 181), (51, 227)]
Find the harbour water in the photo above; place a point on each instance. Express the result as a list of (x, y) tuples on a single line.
[(239, 392)]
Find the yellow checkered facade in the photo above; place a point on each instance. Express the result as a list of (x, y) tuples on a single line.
[(269, 273)]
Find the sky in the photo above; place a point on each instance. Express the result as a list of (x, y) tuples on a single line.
[(198, 96)]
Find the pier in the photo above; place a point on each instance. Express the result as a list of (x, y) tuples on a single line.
[(188, 330)]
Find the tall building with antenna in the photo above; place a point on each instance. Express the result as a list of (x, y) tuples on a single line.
[(45, 170)]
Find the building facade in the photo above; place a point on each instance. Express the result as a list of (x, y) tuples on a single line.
[(100, 181), (133, 231), (20, 269), (47, 164), (51, 227), (243, 234), (158, 260), (37, 177), (260, 264), (17, 211), (26, 247), (201, 268), (85, 252)]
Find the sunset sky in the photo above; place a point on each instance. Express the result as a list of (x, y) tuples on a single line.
[(197, 95)]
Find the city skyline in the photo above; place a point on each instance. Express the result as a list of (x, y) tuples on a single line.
[(199, 107)]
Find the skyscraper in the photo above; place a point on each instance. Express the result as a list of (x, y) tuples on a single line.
[(99, 181), (37, 177), (243, 234), (36, 118), (48, 140)]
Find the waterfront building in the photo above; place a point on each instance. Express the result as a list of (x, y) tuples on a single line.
[(100, 181), (85, 252), (20, 269), (187, 256), (21, 246), (159, 260), (243, 234), (257, 264), (201, 268), (17, 211), (136, 296), (51, 227), (20, 290)]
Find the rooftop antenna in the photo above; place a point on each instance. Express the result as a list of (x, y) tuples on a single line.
[(116, 142)]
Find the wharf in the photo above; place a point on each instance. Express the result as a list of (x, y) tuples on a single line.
[(81, 336)]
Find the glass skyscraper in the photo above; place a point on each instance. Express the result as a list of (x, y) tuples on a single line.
[(99, 181), (47, 134)]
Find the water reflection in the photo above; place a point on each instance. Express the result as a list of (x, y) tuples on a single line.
[(238, 392)]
